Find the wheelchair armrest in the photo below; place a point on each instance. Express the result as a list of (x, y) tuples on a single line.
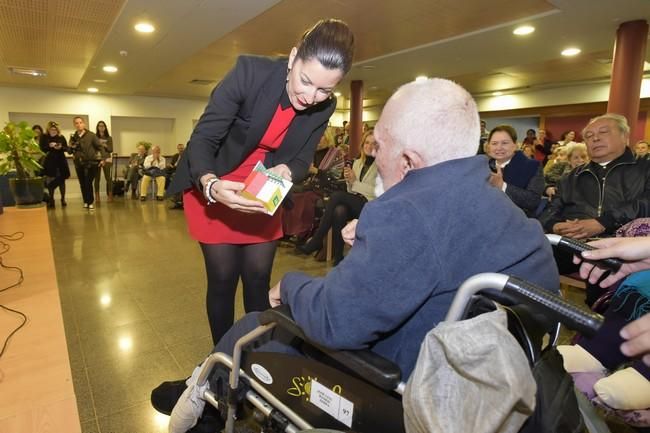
[(375, 369)]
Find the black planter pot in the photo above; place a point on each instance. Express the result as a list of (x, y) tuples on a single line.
[(27, 192)]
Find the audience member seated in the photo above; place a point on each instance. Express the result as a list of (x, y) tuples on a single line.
[(153, 168), (597, 198), (346, 205), (576, 156), (517, 175), (567, 138), (641, 149), (542, 146), (530, 138), (528, 150), (414, 245), (558, 155), (134, 170), (171, 168)]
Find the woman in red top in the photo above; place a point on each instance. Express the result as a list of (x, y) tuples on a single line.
[(267, 110)]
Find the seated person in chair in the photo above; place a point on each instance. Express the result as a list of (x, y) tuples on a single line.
[(415, 244), (134, 170), (595, 199), (153, 168), (346, 205)]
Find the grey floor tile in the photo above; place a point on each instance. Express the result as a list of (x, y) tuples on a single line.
[(119, 342), (118, 385), (89, 427), (141, 418), (181, 328), (191, 353), (84, 396)]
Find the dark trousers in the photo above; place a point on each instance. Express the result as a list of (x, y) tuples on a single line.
[(86, 175), (277, 340), (57, 182), (341, 208), (107, 175)]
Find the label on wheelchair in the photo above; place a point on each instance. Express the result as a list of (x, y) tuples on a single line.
[(330, 402), (262, 374)]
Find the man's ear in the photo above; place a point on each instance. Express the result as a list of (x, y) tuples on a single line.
[(410, 160)]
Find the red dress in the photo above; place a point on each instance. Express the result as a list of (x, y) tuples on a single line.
[(217, 223)]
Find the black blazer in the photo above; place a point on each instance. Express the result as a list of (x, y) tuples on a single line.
[(240, 110)]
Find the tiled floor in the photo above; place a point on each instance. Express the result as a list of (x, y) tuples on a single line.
[(133, 293), (132, 290)]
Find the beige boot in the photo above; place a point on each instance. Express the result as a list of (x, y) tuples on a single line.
[(626, 389)]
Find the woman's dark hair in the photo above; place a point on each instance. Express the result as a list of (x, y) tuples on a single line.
[(35, 127), (106, 133), (565, 133), (529, 131), (331, 42), (504, 128)]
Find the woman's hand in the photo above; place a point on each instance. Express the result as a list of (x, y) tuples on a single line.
[(281, 170), (550, 192), (349, 175), (226, 192), (638, 335), (636, 251), (496, 179)]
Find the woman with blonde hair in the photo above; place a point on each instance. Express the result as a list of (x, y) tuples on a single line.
[(576, 156), (55, 165), (344, 206)]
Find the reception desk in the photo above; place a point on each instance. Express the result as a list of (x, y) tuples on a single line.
[(36, 391)]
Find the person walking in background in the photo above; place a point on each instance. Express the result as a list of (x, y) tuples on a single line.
[(106, 163), (265, 110), (87, 152), (55, 164)]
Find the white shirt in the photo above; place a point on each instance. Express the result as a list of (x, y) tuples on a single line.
[(149, 162), (502, 166)]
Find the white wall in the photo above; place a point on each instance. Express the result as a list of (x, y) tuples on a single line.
[(127, 131), (102, 107)]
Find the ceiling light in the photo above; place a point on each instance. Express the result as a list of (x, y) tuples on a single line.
[(523, 30), (110, 68), (145, 27), (27, 72), (421, 78), (368, 67), (337, 94), (93, 89), (100, 81), (497, 93), (571, 51)]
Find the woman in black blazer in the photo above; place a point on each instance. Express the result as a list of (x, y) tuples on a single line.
[(516, 175), (268, 110)]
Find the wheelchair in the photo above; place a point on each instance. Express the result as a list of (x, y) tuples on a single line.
[(359, 391)]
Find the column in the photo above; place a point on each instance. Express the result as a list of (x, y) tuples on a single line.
[(356, 116), (627, 71)]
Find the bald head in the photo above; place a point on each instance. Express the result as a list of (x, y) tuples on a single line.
[(423, 124)]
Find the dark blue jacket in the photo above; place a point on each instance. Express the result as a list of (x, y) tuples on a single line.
[(414, 246)]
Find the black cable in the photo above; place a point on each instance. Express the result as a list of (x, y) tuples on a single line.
[(4, 247)]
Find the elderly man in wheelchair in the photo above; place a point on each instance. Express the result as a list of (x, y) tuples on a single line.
[(335, 353)]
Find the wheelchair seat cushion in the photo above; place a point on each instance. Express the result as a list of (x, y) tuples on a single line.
[(470, 376)]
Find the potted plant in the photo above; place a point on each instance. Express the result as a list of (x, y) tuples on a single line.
[(19, 153)]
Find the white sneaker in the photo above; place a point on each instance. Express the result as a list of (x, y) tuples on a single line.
[(91, 207), (189, 406), (85, 205)]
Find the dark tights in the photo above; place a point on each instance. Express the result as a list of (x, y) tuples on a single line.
[(58, 182), (224, 265), (341, 208)]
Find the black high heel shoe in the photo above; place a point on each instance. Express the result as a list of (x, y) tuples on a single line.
[(309, 247)]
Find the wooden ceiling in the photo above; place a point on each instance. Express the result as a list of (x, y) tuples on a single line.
[(469, 41)]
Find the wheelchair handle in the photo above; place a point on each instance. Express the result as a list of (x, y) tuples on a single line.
[(577, 247), (551, 305)]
